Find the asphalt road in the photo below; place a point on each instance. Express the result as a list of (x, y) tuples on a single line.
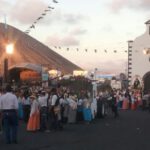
[(131, 131)]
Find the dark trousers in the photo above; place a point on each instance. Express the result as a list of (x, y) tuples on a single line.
[(55, 123), (10, 126), (0, 122), (115, 111), (43, 118), (144, 105), (26, 112)]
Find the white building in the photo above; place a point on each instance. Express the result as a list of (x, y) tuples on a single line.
[(138, 63), (115, 84)]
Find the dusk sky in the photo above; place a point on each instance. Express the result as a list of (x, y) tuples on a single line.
[(83, 24)]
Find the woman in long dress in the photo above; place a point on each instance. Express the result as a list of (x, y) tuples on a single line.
[(34, 119), (87, 113), (125, 104), (72, 110), (20, 103)]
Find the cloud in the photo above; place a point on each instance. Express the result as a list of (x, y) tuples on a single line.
[(145, 4), (118, 5), (62, 41), (118, 65), (4, 5), (59, 16), (73, 18), (26, 12), (106, 66), (78, 31), (107, 28), (70, 41)]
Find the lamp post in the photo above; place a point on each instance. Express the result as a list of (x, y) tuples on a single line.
[(9, 51)]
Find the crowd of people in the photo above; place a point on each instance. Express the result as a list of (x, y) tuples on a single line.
[(48, 110)]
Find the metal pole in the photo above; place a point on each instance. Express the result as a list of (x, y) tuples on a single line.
[(5, 59), (5, 71)]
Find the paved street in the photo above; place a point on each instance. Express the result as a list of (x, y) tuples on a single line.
[(131, 131)]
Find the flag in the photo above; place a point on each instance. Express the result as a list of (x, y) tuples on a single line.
[(55, 1), (32, 26), (47, 10), (95, 50), (39, 18), (43, 14), (27, 32), (50, 7)]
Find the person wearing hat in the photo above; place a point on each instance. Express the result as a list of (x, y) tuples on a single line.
[(34, 119), (9, 108)]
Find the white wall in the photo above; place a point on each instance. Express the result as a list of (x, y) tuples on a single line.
[(140, 62)]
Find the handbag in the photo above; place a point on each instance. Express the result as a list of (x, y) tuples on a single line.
[(56, 109)]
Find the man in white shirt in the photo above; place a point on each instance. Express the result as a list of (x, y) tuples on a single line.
[(43, 103), (9, 107)]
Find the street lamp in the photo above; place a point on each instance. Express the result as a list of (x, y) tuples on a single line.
[(9, 51)]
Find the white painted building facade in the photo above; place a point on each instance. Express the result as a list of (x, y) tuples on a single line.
[(138, 63)]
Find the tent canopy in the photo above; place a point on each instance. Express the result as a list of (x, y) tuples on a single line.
[(34, 67)]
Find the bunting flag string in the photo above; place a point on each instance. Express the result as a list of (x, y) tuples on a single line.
[(94, 50), (48, 9)]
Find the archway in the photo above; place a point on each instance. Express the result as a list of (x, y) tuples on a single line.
[(146, 80)]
